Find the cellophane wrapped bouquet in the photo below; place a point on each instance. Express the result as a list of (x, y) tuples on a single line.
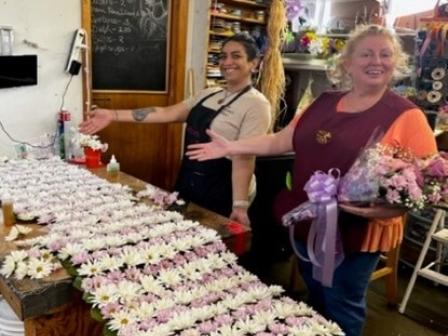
[(384, 175)]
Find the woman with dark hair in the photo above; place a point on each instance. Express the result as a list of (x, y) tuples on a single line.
[(330, 134), (237, 111)]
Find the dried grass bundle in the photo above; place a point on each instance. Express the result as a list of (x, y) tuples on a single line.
[(273, 76)]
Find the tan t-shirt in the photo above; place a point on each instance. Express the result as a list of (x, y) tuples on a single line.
[(247, 116)]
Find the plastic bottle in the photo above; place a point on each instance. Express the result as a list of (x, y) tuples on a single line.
[(113, 168), (8, 213)]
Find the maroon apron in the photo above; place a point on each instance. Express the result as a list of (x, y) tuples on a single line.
[(325, 139)]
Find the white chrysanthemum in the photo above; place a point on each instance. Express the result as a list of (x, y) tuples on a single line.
[(145, 311), (13, 234), (249, 326), (128, 290), (8, 267), (190, 332), (183, 297), (259, 292), (229, 257), (90, 268), (182, 245), (227, 330), (283, 309), (24, 230), (151, 254), (275, 290), (161, 330), (166, 251), (216, 261), (190, 272), (93, 244), (70, 250), (152, 285), (120, 320), (21, 270), (18, 255), (104, 295), (181, 321), (210, 235), (233, 302), (300, 331), (169, 277), (245, 276), (39, 268), (202, 313), (132, 257), (164, 303), (109, 263), (264, 317), (302, 309)]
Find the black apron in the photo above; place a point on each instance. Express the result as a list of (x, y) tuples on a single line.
[(206, 183)]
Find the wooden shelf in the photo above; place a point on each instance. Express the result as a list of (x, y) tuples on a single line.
[(237, 18), (221, 34), (434, 19), (245, 3), (248, 9)]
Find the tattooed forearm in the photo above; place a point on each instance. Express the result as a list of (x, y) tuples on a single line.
[(140, 114)]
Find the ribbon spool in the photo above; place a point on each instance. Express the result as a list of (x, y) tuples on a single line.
[(434, 97), (437, 85), (438, 73)]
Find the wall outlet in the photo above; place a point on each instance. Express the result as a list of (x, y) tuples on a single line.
[(78, 43)]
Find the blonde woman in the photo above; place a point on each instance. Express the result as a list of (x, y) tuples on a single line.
[(330, 134)]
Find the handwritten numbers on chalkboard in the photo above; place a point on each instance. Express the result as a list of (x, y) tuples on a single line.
[(129, 44)]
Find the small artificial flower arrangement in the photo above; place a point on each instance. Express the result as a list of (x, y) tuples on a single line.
[(161, 197), (90, 141)]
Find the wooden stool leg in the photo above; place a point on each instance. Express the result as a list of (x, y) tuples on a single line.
[(392, 277)]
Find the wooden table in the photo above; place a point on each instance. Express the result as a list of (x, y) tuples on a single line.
[(52, 307)]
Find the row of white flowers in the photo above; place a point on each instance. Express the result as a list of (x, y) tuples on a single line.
[(144, 270)]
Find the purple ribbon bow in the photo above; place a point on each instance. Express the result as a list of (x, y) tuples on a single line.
[(324, 245)]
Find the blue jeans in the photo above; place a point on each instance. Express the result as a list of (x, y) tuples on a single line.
[(345, 302)]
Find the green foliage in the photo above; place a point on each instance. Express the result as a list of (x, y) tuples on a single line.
[(77, 283), (108, 332), (95, 313), (69, 267), (288, 181)]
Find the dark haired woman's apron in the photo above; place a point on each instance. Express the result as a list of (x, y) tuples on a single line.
[(206, 183)]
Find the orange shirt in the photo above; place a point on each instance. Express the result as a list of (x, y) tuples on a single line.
[(410, 131)]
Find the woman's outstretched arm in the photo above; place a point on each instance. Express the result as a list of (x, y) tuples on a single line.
[(269, 144)]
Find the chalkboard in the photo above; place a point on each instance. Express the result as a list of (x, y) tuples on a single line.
[(129, 44)]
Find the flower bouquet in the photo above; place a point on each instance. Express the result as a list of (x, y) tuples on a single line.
[(383, 182)]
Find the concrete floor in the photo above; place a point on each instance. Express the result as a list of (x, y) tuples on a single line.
[(426, 313)]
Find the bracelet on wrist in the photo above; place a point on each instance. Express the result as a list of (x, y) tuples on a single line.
[(116, 114), (241, 204)]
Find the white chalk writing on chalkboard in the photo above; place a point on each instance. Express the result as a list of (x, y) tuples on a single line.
[(129, 40)]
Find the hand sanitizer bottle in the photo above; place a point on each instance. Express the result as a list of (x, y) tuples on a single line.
[(113, 168)]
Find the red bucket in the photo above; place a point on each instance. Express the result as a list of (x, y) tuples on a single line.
[(93, 157)]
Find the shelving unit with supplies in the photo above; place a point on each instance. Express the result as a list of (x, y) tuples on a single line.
[(228, 17)]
